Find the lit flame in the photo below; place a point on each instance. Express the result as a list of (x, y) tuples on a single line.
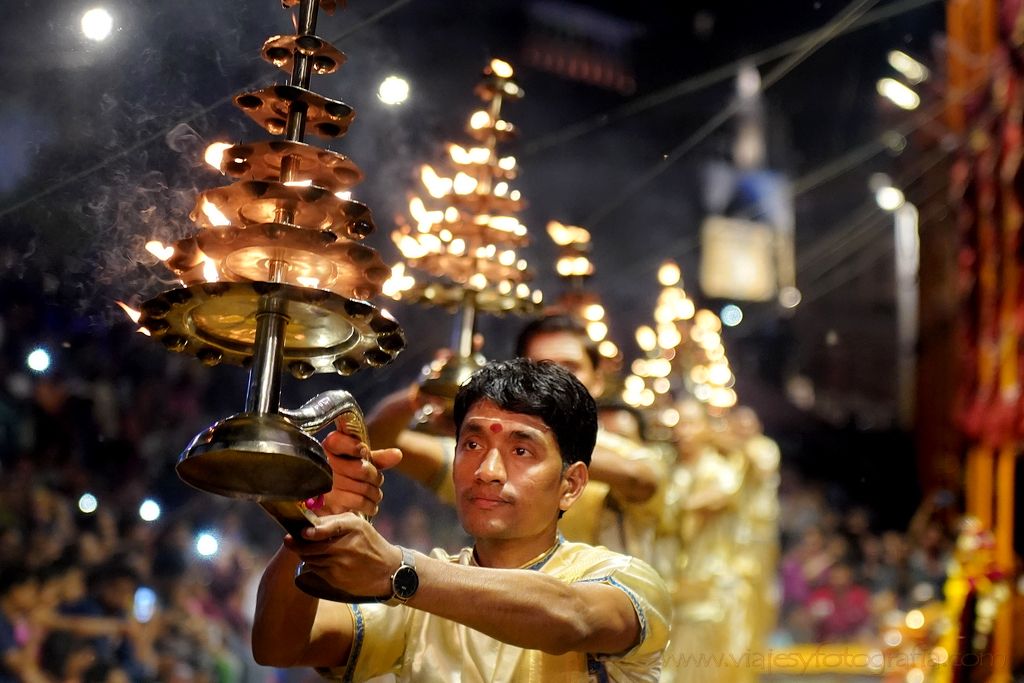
[(430, 242), (504, 223), (646, 338), (501, 68), (501, 189), (398, 282), (514, 195), (210, 273), (215, 216), (479, 119), (307, 281), (464, 183), (437, 186), (424, 219), (507, 258), (574, 266), (608, 349), (564, 235), (157, 248), (457, 247), (478, 281), (669, 274), (507, 163), (479, 155), (593, 312), (458, 154), (214, 154), (707, 320), (410, 247), (451, 214), (134, 316), (130, 312), (344, 195)]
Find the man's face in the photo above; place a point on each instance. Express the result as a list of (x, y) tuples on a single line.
[(508, 475), (568, 350)]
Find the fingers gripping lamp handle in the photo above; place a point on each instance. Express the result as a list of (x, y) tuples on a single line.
[(322, 409), (294, 516)]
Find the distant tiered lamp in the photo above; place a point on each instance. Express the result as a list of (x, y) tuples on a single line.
[(276, 278), (465, 236), (575, 268), (683, 354)]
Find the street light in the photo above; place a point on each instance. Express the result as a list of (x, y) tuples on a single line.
[(899, 94), (907, 262), (393, 90), (97, 24)]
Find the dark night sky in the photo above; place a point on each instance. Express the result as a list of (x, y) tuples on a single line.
[(160, 87)]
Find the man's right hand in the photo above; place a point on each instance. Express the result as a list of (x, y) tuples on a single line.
[(358, 474)]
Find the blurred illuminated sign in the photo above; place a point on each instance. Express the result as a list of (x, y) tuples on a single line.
[(737, 259)]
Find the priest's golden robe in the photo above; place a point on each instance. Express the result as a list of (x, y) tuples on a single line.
[(418, 647)]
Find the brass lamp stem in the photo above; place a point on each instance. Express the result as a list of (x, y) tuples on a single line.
[(263, 396), (296, 127), (466, 325)]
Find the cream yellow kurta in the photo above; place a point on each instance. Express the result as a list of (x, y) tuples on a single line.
[(600, 518), (422, 648)]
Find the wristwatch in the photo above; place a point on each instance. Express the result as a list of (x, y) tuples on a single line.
[(405, 580)]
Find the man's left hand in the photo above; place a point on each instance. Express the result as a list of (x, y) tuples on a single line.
[(348, 553)]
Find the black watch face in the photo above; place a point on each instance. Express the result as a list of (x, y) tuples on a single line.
[(406, 582)]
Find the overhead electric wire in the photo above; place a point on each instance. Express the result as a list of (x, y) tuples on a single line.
[(814, 178), (821, 36), (700, 81), (161, 134), (842, 277)]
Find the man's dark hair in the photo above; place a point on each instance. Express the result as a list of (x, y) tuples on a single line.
[(539, 388), (552, 323)]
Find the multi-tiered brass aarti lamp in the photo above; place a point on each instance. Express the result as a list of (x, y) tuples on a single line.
[(464, 234), (276, 279)]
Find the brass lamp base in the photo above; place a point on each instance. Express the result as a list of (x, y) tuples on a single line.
[(256, 457)]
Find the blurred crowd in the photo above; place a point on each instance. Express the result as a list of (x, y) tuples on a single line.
[(89, 589), (92, 591), (842, 576)]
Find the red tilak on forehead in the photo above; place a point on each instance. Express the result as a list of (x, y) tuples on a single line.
[(495, 427)]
